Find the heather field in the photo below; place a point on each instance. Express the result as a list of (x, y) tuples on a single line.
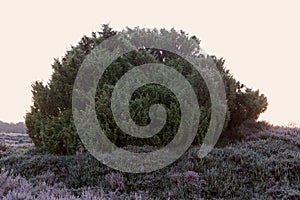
[(263, 163)]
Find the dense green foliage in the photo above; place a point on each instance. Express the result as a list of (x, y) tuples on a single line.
[(50, 124)]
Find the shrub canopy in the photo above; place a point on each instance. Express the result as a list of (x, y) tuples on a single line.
[(50, 124)]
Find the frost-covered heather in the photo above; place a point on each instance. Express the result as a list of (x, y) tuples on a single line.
[(265, 164), (115, 181), (263, 130), (15, 139), (18, 188)]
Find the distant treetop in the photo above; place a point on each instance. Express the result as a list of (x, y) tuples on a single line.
[(12, 127)]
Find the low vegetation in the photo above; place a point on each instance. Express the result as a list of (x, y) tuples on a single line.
[(263, 164)]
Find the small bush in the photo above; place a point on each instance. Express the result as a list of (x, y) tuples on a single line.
[(3, 146), (115, 181)]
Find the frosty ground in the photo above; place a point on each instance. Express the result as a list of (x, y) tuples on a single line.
[(263, 162)]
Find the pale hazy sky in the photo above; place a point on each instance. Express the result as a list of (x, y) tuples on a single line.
[(260, 41)]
